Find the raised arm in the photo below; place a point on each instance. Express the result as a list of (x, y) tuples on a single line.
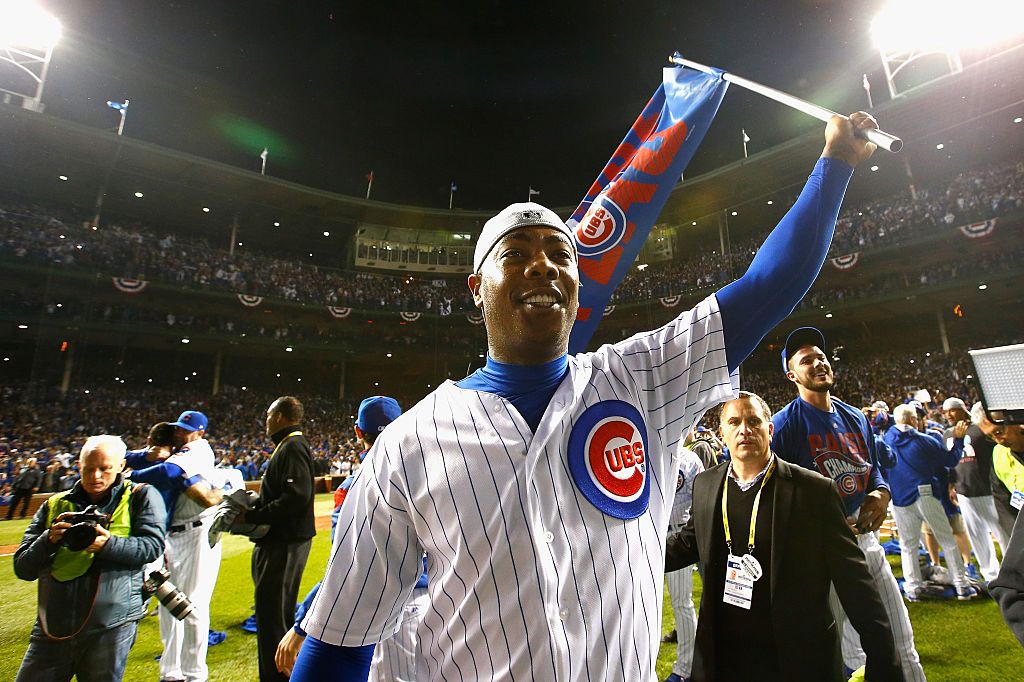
[(792, 255)]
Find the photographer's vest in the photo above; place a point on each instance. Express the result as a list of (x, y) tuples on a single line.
[(1008, 468), (68, 565)]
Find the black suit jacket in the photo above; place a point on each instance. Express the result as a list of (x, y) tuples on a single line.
[(812, 547)]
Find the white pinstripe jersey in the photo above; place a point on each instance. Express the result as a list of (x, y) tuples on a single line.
[(529, 579), (689, 466)]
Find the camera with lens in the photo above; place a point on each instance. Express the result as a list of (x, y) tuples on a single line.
[(82, 532), (174, 600)]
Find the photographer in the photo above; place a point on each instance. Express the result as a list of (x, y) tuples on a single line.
[(89, 567)]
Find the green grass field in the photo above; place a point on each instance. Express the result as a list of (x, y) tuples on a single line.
[(957, 641)]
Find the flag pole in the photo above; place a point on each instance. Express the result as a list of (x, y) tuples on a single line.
[(124, 113), (867, 88), (745, 139), (882, 139)]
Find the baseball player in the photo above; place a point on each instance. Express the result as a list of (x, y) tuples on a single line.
[(973, 494), (540, 486), (680, 583), (188, 480), (917, 490), (394, 660), (824, 434)]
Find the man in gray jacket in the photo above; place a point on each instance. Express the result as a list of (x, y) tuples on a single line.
[(90, 574)]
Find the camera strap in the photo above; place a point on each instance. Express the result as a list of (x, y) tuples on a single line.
[(44, 600)]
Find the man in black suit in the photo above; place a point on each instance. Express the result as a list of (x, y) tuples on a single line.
[(764, 611)]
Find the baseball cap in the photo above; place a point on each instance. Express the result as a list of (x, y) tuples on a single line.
[(377, 412), (190, 420), (919, 406), (526, 214), (797, 339), (880, 405), (954, 404)]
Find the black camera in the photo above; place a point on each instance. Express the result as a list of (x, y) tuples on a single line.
[(82, 532), (174, 600)]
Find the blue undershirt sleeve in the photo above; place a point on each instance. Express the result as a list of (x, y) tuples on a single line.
[(319, 662), (786, 265), (304, 606), (136, 459), (161, 476)]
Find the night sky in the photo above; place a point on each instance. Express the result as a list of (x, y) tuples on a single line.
[(495, 96)]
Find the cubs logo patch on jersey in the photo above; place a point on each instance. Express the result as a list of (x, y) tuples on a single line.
[(608, 459), (601, 229)]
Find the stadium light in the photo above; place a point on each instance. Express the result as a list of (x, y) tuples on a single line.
[(28, 35), (26, 24), (907, 30)]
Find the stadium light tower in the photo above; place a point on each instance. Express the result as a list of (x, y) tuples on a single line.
[(28, 35), (908, 30)]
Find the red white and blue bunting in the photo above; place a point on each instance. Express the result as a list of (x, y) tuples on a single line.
[(845, 262), (670, 301), (129, 286), (338, 312), (978, 230), (410, 317), (249, 301)]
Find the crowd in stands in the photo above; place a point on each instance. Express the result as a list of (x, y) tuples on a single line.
[(42, 235), (53, 429), (970, 197)]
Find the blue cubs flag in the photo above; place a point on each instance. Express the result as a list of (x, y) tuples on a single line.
[(619, 210), (118, 106)]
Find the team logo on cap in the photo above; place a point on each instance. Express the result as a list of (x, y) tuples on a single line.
[(608, 459), (601, 227), (531, 215)]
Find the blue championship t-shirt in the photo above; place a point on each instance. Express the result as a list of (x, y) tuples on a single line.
[(837, 444)]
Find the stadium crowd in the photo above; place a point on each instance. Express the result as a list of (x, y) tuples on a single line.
[(46, 235), (52, 430), (970, 197)]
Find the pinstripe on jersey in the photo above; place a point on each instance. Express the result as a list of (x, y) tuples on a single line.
[(528, 580)]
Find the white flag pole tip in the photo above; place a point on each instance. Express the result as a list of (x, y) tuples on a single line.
[(883, 139)]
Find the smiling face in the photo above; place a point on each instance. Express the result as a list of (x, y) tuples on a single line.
[(809, 368), (528, 290)]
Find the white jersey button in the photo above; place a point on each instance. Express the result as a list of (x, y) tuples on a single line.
[(563, 613), (549, 536)]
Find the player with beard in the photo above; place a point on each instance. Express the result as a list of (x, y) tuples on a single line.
[(822, 433)]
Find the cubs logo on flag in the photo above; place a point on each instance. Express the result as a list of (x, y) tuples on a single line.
[(338, 312), (845, 262), (249, 301), (410, 317), (608, 459), (129, 286), (617, 213), (849, 471), (669, 301), (978, 230)]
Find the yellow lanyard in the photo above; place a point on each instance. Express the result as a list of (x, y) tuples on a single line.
[(753, 513), (293, 433)]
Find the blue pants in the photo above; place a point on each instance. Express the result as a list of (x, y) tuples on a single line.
[(92, 658)]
